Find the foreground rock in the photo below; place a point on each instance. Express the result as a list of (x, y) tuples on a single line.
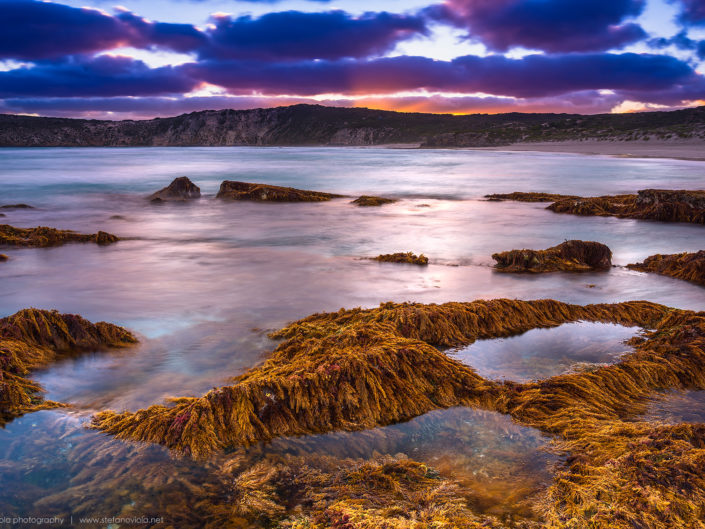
[(230, 190), (3, 258), (181, 188), (402, 257), (33, 338), (650, 204), (519, 196), (569, 256), (687, 266), (372, 201), (41, 237)]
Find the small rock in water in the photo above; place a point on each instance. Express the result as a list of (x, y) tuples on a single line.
[(16, 206), (180, 189)]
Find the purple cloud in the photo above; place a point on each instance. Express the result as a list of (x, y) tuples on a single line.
[(692, 12), (549, 25), (296, 35), (100, 76)]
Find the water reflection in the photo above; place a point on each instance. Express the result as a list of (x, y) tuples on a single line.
[(543, 353), (674, 407)]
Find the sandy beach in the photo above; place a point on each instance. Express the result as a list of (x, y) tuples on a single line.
[(680, 149)]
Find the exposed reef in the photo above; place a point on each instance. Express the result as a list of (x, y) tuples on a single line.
[(181, 188), (519, 196), (402, 257), (230, 190), (569, 256), (649, 204), (33, 338), (42, 236), (687, 266), (16, 206), (371, 201)]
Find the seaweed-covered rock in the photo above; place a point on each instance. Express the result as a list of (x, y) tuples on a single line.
[(42, 236), (181, 188), (230, 190), (402, 257), (569, 256), (519, 196), (371, 201), (687, 266), (33, 338), (649, 204)]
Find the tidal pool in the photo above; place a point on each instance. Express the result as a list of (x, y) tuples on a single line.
[(543, 353), (674, 407)]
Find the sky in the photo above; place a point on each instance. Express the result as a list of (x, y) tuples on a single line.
[(147, 58)]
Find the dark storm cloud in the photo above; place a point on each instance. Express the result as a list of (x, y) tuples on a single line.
[(549, 25), (101, 76), (692, 12), (682, 42)]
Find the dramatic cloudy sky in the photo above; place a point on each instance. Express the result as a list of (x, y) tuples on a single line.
[(145, 58)]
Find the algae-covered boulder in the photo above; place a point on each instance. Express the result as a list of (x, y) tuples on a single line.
[(230, 190), (33, 338), (569, 256), (402, 257), (42, 236), (371, 201), (687, 266), (181, 188)]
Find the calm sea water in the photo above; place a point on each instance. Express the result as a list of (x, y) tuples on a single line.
[(203, 282)]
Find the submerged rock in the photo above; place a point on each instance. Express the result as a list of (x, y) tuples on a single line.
[(368, 200), (649, 204), (33, 338), (230, 190), (569, 256), (42, 236), (687, 266), (519, 196), (16, 206), (181, 188), (402, 257)]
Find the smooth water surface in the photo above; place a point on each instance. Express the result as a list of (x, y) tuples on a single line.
[(543, 353), (203, 282)]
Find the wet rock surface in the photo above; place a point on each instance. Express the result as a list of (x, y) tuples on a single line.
[(371, 201), (181, 188), (402, 257), (231, 190), (41, 237), (687, 266), (569, 256)]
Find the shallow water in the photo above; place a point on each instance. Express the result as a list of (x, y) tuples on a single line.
[(203, 282), (674, 407), (543, 353)]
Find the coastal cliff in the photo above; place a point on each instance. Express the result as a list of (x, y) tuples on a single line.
[(319, 125)]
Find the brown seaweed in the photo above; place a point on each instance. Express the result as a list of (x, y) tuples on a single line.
[(687, 266), (33, 338), (650, 204), (371, 201), (569, 256), (230, 190), (402, 257), (41, 237)]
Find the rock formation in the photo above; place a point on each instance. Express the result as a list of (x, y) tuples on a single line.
[(402, 257), (367, 200), (687, 266), (41, 237), (33, 338), (181, 188), (519, 196), (230, 190), (569, 256)]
